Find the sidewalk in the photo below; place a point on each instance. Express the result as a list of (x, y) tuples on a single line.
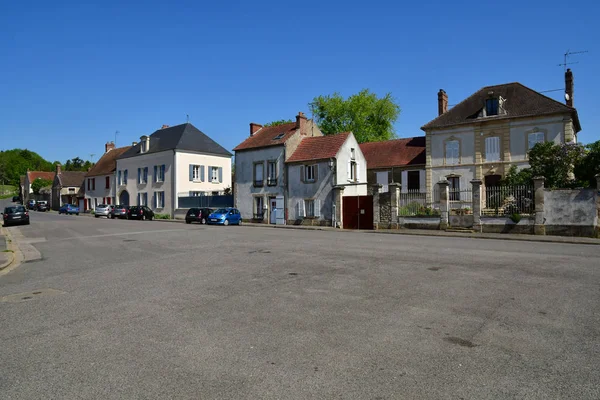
[(6, 257)]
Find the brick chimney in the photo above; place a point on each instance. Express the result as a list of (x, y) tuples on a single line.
[(164, 126), (58, 169), (133, 143), (109, 146), (301, 123), (442, 102), (569, 87), (254, 128)]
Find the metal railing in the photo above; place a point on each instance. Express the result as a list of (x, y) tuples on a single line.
[(460, 199), (417, 203), (508, 200)]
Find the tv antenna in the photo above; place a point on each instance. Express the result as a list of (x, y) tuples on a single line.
[(116, 133), (188, 118), (92, 157), (566, 58)]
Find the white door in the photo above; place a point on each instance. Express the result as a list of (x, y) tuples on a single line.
[(279, 211), (273, 208)]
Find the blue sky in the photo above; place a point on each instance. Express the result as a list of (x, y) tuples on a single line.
[(72, 73)]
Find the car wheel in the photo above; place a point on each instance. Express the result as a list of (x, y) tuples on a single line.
[(203, 221), (240, 222), (226, 222), (76, 213), (96, 216)]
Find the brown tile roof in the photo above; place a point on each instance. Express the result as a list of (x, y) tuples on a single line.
[(264, 137), (33, 175), (394, 153), (107, 164), (319, 147), (521, 101), (71, 178)]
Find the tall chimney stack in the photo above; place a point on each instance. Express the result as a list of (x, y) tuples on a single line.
[(254, 128), (58, 169), (109, 146), (442, 102), (569, 87), (301, 123)]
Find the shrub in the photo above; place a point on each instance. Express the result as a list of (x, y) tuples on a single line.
[(515, 218), (162, 216)]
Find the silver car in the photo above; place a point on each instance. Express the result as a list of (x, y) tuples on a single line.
[(103, 210)]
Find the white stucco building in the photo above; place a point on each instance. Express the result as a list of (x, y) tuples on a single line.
[(171, 162), (100, 181)]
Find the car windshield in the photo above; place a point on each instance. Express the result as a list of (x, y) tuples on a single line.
[(102, 205), (221, 211), (12, 210)]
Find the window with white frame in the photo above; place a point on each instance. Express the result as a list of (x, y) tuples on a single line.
[(535, 138), (452, 152), (142, 199), (352, 154), (159, 173), (309, 207), (196, 172), (194, 193), (272, 173), (492, 148), (125, 177), (258, 174), (352, 171), (310, 173), (160, 199), (214, 174)]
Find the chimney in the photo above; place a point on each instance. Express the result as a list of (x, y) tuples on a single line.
[(301, 123), (164, 126), (58, 169), (442, 102), (133, 144), (145, 141), (109, 146), (254, 128), (569, 87)]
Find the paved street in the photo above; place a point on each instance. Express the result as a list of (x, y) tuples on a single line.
[(131, 309)]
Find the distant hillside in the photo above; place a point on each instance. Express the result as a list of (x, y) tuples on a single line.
[(14, 163)]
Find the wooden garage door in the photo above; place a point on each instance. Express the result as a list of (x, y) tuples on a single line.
[(358, 212)]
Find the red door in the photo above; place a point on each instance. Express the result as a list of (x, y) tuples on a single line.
[(358, 212)]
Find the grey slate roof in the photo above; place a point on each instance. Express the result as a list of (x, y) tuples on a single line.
[(521, 101), (180, 137)]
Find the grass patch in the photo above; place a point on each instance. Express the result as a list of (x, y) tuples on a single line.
[(7, 251), (162, 216)]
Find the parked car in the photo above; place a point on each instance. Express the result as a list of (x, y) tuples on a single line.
[(30, 204), (69, 209), (198, 215), (225, 216), (140, 212), (103, 210), (15, 215), (42, 206), (16, 199), (119, 211)]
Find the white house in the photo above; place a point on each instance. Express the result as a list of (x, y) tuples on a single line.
[(171, 162), (493, 129), (100, 180)]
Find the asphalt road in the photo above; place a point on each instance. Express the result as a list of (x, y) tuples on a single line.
[(155, 310)]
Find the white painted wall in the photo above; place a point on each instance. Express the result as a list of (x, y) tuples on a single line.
[(467, 145), (96, 196), (342, 164), (519, 132), (185, 185)]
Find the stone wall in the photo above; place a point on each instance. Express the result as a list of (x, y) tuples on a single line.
[(385, 207), (571, 212)]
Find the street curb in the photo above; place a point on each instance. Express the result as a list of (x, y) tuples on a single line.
[(9, 246)]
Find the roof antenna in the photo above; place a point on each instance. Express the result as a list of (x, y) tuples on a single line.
[(116, 133), (566, 56), (188, 118), (92, 157)]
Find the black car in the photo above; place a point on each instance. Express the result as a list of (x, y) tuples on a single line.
[(15, 215), (198, 215), (119, 211), (16, 199), (140, 212)]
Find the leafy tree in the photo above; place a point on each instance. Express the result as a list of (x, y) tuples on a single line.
[(39, 183), (556, 162), (589, 166), (370, 118), (279, 122), (516, 177), (16, 162)]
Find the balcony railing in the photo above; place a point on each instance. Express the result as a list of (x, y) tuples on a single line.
[(271, 181), (259, 183)]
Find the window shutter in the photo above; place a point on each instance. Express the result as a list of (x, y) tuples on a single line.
[(191, 172), (349, 170), (139, 175), (220, 174), (357, 171), (302, 173), (202, 173), (125, 177), (156, 173), (119, 177), (301, 212), (316, 171), (317, 206), (162, 171), (139, 199), (145, 174)]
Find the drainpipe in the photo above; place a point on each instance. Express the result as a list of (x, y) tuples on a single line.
[(285, 187)]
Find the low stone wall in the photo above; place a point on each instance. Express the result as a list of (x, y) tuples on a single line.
[(506, 225), (385, 207), (309, 222), (419, 223), (571, 212)]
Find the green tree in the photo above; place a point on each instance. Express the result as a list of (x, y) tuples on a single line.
[(587, 168), (370, 118), (516, 177), (279, 122), (16, 162), (39, 183), (556, 163)]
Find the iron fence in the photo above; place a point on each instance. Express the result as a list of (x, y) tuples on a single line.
[(205, 201), (508, 200), (460, 199), (417, 203)]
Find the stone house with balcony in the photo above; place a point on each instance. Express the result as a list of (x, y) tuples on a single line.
[(101, 180), (493, 129), (261, 174), (172, 161)]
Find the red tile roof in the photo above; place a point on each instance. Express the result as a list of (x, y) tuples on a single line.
[(264, 137), (319, 147), (394, 153), (33, 175), (107, 164)]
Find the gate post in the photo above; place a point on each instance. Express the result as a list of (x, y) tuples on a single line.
[(376, 213), (338, 194), (476, 204), (538, 187), (444, 203), (394, 189)]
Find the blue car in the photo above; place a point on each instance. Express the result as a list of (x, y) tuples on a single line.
[(69, 209), (225, 216)]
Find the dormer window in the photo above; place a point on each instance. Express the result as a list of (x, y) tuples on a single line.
[(491, 107), (281, 135)]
